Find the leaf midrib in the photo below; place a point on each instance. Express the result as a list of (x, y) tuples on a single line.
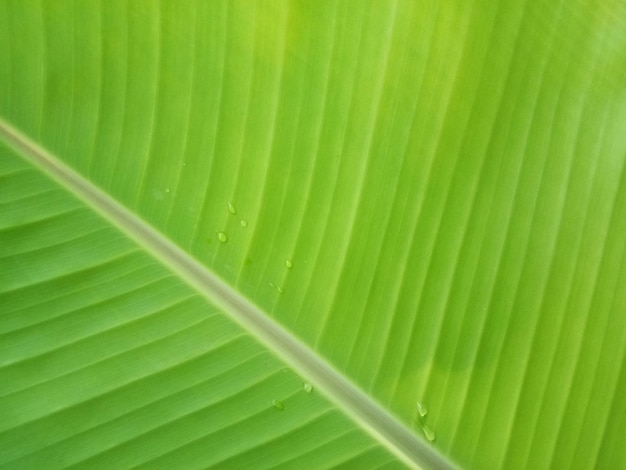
[(370, 416)]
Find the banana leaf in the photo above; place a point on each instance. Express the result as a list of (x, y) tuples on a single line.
[(312, 234)]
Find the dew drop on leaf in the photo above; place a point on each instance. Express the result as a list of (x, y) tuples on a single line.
[(278, 288), (278, 405), (231, 208), (243, 223), (421, 409), (289, 263), (221, 236), (308, 388), (429, 434)]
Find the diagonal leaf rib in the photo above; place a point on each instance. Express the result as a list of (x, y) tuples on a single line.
[(373, 418)]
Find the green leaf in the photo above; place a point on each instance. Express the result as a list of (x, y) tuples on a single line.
[(312, 234)]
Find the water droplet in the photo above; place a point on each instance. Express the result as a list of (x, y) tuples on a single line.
[(167, 190), (231, 208), (278, 405), (289, 263), (221, 236), (421, 409), (278, 288), (429, 434), (308, 388), (243, 223)]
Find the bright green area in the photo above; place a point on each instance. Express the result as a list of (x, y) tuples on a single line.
[(445, 177)]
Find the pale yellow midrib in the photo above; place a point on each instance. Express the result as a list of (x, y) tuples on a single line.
[(370, 416)]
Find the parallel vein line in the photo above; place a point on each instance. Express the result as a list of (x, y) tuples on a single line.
[(170, 422), (174, 395)]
